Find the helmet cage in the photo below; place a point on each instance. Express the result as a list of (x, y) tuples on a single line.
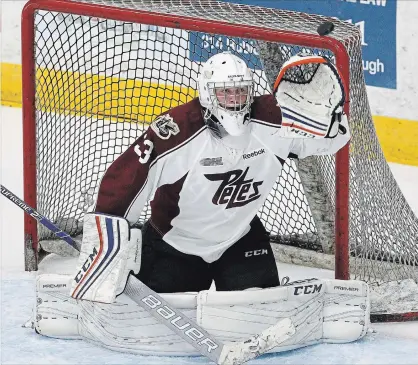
[(238, 107)]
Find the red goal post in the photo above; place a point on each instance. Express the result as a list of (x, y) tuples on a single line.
[(53, 74)]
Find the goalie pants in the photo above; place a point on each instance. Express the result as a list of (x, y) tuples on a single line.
[(247, 264)]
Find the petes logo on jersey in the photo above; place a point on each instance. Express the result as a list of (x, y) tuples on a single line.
[(164, 126), (235, 190)]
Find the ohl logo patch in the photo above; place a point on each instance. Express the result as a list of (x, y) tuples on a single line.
[(235, 189)]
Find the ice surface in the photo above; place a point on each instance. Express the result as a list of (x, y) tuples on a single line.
[(23, 346)]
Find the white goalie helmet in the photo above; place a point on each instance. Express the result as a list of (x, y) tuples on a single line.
[(226, 89)]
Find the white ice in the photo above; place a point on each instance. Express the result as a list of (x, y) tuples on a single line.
[(389, 344)]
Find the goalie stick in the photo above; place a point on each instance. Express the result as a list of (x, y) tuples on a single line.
[(223, 354)]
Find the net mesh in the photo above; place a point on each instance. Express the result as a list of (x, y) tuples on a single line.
[(99, 82)]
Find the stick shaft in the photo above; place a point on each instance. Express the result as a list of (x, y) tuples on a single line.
[(39, 217), (174, 319)]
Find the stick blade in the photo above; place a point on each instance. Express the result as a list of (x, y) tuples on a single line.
[(240, 352)]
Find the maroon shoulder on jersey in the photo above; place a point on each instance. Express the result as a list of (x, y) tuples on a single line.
[(176, 125), (127, 176), (264, 108)]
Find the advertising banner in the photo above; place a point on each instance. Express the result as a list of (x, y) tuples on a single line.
[(375, 18)]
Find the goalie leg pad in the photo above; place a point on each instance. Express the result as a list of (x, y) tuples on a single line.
[(331, 311), (109, 251), (124, 326), (346, 311), (55, 312), (235, 316), (121, 326)]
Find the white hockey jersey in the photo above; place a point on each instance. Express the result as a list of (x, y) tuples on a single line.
[(203, 192)]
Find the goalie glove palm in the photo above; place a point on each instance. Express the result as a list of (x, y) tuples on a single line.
[(311, 95)]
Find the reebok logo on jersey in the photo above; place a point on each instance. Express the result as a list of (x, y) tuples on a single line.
[(260, 151), (235, 190)]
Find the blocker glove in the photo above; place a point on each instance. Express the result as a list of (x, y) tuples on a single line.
[(109, 252)]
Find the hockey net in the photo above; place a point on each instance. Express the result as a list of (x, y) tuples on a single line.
[(96, 73)]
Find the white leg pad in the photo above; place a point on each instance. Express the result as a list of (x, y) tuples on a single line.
[(124, 326), (346, 311), (120, 326), (56, 313), (238, 315), (331, 311)]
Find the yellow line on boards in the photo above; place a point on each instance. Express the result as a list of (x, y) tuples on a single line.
[(11, 84), (398, 139), (136, 100), (84, 94)]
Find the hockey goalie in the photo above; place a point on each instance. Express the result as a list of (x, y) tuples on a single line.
[(206, 167)]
